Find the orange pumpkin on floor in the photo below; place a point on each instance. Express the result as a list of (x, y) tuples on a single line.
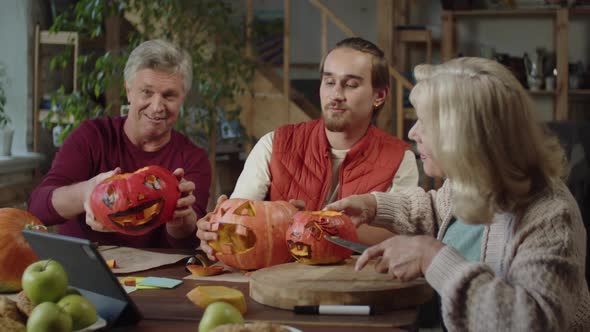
[(251, 234), (15, 252), (306, 241), (136, 203)]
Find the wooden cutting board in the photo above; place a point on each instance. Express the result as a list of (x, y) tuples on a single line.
[(287, 285)]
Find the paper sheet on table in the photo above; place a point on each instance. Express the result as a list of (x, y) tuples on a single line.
[(134, 260), (229, 274)]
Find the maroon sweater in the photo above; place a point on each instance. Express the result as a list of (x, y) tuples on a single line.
[(101, 145)]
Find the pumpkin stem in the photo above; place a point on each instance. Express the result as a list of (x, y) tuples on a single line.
[(46, 263), (35, 227)]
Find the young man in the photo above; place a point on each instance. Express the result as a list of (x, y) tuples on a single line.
[(320, 161), (158, 75)]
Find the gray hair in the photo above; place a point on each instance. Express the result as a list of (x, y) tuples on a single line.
[(161, 55)]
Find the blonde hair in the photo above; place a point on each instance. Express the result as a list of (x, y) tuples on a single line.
[(481, 125)]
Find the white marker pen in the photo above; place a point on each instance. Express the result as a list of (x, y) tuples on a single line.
[(326, 309)]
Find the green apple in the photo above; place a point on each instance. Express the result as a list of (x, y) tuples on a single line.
[(48, 316), (219, 313), (81, 310), (44, 281)]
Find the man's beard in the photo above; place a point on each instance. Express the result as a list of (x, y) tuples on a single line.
[(336, 122)]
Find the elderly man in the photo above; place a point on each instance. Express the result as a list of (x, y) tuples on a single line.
[(158, 76), (320, 161)]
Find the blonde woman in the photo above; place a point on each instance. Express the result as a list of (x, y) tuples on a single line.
[(522, 266)]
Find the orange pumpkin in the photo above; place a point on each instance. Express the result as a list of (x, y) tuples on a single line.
[(251, 234), (306, 241), (136, 203), (15, 252)]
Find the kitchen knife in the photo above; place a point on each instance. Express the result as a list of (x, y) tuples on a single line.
[(356, 247)]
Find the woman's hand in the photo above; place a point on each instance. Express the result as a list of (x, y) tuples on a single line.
[(403, 257), (205, 233), (184, 219), (360, 208)]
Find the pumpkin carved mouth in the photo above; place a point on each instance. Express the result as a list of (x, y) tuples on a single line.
[(138, 216), (299, 250)]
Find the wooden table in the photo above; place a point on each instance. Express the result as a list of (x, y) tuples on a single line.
[(170, 309)]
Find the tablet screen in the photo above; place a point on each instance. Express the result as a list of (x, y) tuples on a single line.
[(88, 272)]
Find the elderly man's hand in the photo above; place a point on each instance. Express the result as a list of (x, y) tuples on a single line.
[(204, 232), (90, 185), (184, 217), (360, 208)]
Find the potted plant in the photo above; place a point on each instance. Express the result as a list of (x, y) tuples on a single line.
[(6, 131)]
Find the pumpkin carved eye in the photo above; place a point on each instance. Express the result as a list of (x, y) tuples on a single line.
[(153, 182), (110, 197)]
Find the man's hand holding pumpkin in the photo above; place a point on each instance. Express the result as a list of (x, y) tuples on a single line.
[(90, 185), (184, 218), (204, 232)]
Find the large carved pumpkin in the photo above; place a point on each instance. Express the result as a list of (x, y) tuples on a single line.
[(251, 234), (15, 252), (136, 203), (306, 241)]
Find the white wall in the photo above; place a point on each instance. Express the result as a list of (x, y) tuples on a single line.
[(14, 29)]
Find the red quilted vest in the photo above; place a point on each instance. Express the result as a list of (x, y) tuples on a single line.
[(301, 165)]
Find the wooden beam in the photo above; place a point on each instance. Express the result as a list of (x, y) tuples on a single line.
[(338, 22), (249, 16), (561, 43), (113, 46), (448, 36), (324, 34), (399, 60), (36, 78), (400, 115), (249, 109), (384, 38), (286, 50)]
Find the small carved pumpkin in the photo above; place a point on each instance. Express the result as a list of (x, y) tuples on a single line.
[(136, 203), (251, 234), (306, 241), (15, 252)]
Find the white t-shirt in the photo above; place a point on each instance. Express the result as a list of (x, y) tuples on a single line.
[(254, 181)]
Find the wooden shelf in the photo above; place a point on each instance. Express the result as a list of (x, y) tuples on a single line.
[(44, 113), (559, 16), (59, 38), (580, 92), (414, 35), (580, 11), (515, 12), (542, 92)]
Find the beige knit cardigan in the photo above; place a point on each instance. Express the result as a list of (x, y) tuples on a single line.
[(531, 276)]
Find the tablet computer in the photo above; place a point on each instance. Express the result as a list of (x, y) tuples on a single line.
[(88, 272)]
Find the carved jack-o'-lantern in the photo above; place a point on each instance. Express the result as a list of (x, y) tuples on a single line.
[(135, 203), (306, 241), (251, 234)]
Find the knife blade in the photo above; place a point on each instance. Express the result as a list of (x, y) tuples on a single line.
[(356, 247)]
